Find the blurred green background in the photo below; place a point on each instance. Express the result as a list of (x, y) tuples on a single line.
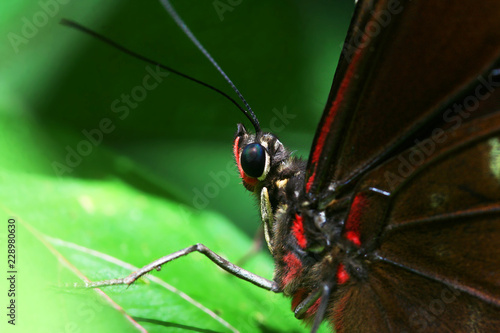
[(163, 177)]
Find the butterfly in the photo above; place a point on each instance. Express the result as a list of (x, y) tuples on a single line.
[(392, 224)]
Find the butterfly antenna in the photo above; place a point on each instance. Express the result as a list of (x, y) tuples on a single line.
[(122, 48), (178, 20)]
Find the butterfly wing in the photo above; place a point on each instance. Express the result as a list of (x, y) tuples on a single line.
[(434, 265), (411, 128), (402, 62)]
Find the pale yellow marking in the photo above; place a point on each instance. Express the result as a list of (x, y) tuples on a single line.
[(495, 157), (281, 183), (438, 199), (328, 257), (267, 218)]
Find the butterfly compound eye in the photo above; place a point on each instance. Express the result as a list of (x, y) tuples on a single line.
[(253, 160)]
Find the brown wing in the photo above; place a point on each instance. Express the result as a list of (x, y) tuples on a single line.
[(433, 239), (402, 62), (417, 304)]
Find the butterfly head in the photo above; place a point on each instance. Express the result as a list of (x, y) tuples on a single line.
[(258, 157)]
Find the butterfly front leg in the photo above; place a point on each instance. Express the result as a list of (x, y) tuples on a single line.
[(214, 257)]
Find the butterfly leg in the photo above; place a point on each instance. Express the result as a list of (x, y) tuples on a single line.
[(214, 257)]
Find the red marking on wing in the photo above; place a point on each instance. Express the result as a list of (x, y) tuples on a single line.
[(298, 231), (327, 124), (236, 151), (352, 224), (310, 181), (342, 275), (332, 112), (294, 267), (353, 237)]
